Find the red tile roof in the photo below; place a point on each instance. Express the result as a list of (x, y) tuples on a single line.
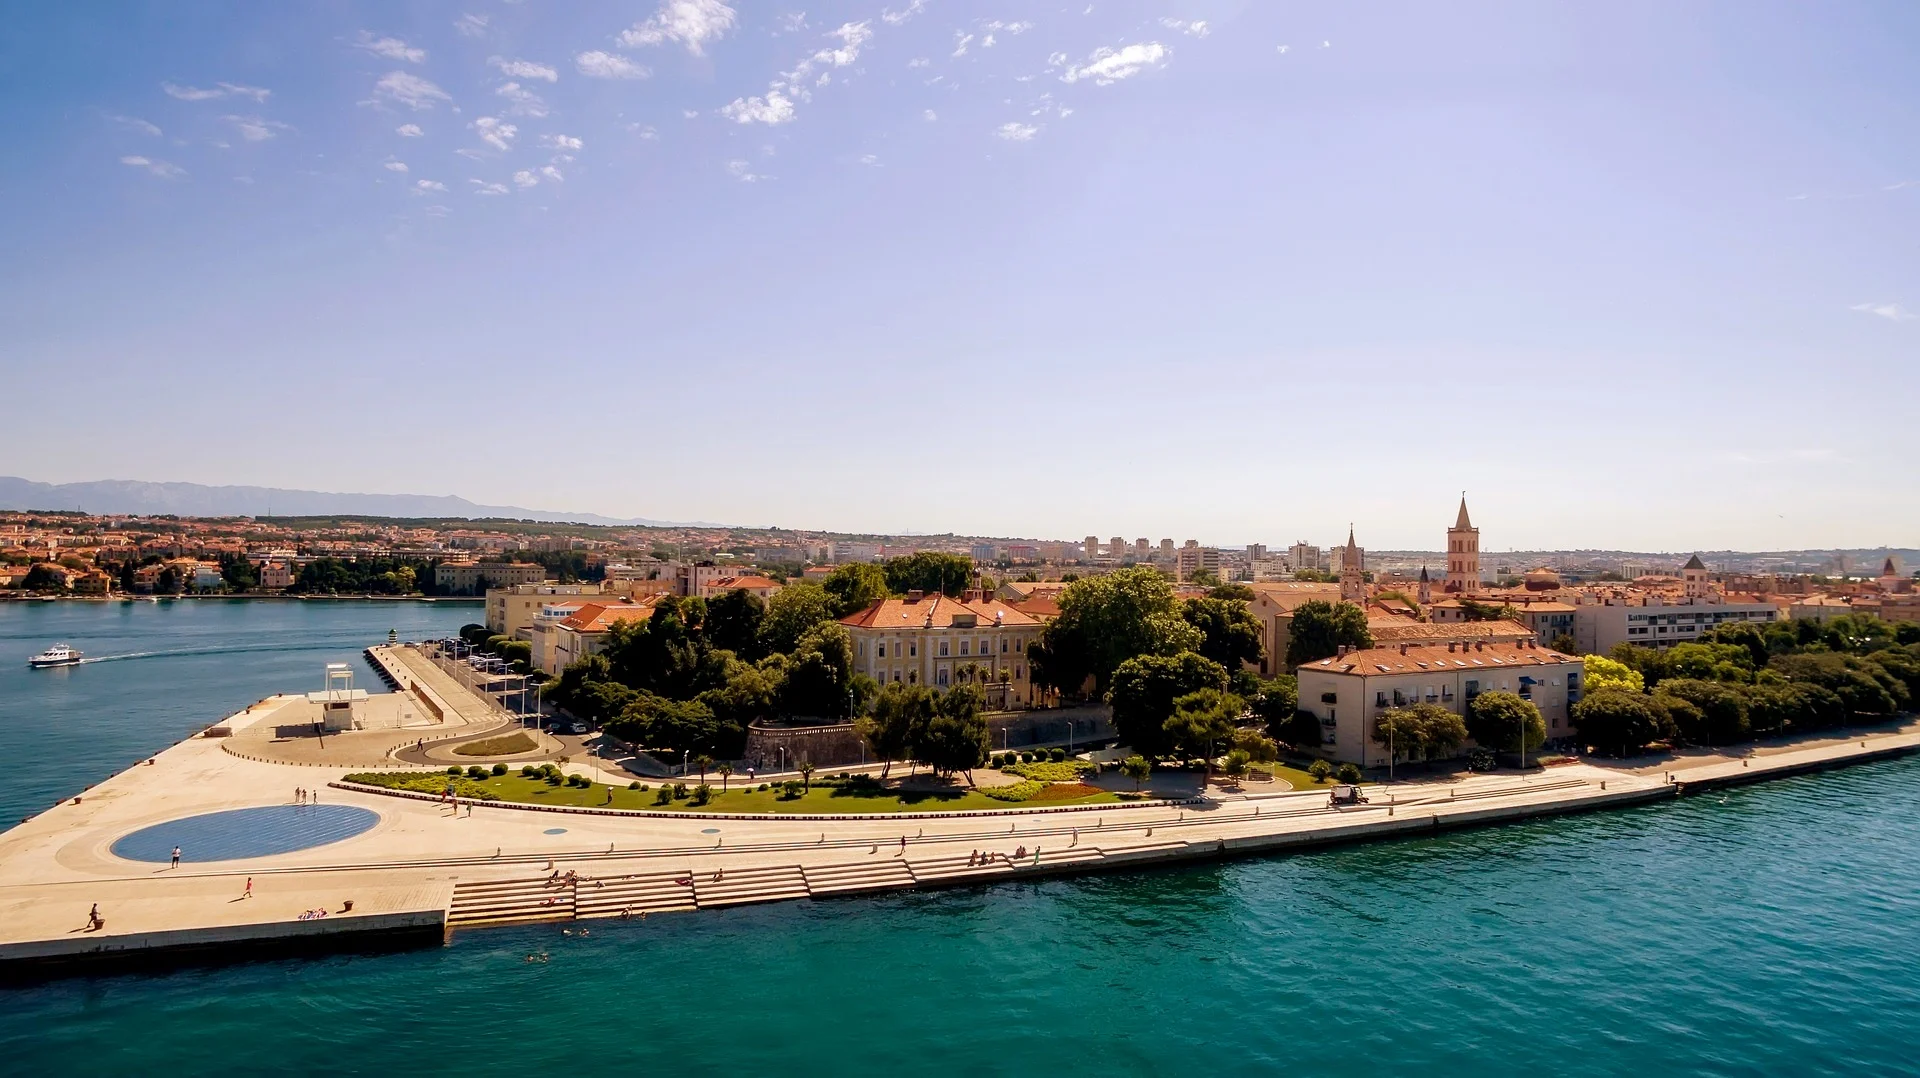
[(936, 612)]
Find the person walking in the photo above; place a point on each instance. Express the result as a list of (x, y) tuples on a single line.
[(93, 918), (248, 893), (176, 857)]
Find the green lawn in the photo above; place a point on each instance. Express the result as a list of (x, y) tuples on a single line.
[(504, 745), (821, 799)]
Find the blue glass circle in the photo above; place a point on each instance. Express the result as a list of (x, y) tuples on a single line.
[(248, 832)]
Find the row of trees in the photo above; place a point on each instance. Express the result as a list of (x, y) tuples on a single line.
[(944, 730), (1746, 681)]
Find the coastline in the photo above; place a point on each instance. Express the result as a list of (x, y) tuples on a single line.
[(426, 871)]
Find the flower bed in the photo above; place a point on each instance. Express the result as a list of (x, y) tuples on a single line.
[(1051, 772), (425, 782), (1019, 791), (1065, 791)]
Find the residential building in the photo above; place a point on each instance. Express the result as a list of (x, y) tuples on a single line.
[(1350, 691), (1655, 620), (985, 553), (1273, 605), (941, 641), (473, 578), (583, 632), (206, 576), (1194, 558), (762, 586), (93, 582), (694, 579), (510, 611), (276, 575), (1303, 555), (1142, 551), (1548, 619), (1090, 548)]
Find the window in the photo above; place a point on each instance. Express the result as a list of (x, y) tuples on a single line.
[(963, 647), (1379, 699), (1003, 645), (943, 647), (986, 647), (943, 675), (913, 649), (880, 650)]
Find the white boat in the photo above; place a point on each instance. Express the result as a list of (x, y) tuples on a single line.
[(57, 655)]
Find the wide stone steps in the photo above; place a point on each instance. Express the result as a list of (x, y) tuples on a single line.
[(855, 878), (744, 885), (492, 901), (943, 869), (655, 892)]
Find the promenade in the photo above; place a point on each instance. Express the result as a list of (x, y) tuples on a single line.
[(421, 867)]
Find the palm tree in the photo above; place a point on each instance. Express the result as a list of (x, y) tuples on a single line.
[(725, 769), (806, 776), (703, 762)]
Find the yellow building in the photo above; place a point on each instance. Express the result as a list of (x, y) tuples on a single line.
[(941, 641)]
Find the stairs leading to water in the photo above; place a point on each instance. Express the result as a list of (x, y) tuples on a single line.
[(885, 874), (739, 886), (510, 901), (642, 893)]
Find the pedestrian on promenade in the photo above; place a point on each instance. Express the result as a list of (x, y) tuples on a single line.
[(248, 893), (176, 857), (93, 917)]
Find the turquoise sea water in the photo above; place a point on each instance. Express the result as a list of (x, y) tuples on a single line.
[(1771, 930)]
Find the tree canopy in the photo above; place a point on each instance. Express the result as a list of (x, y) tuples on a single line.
[(930, 572), (1423, 731), (1105, 621), (1319, 629), (1145, 689), (1497, 721), (1230, 634), (854, 586)]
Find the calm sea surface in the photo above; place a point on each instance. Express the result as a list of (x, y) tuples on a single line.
[(1772, 930)]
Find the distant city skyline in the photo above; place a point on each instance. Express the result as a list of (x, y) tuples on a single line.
[(1636, 276)]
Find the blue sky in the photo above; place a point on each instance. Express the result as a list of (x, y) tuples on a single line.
[(1634, 275)]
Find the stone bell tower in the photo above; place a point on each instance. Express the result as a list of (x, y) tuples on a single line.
[(1463, 553), (1353, 585)]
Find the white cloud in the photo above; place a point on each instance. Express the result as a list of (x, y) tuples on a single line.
[(792, 23), (551, 173), (1056, 59), (524, 101), (255, 129), (692, 23), (775, 108), (429, 185), (482, 187), (1197, 28), (608, 65), (221, 89), (1009, 27), (256, 92), (739, 170), (895, 18), (437, 210), (524, 179), (471, 25), (495, 132), (1326, 44), (929, 115), (1015, 132), (960, 43), (918, 61), (137, 124), (158, 168), (391, 48), (408, 131), (1107, 66), (410, 90), (1891, 311), (524, 69), (395, 166), (644, 131), (563, 142), (1284, 49), (870, 160)]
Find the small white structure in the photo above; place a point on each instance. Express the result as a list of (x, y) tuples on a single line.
[(340, 703)]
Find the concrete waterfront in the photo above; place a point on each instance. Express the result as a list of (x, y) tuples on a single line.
[(425, 868)]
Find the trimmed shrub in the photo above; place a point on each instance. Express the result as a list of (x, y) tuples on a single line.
[(1480, 760), (475, 771), (553, 779), (764, 787), (702, 794), (1019, 791), (1058, 756), (528, 771), (1348, 773), (635, 785), (664, 796), (454, 770), (679, 791), (499, 769), (1319, 769)]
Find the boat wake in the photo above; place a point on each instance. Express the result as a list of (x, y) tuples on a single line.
[(229, 650)]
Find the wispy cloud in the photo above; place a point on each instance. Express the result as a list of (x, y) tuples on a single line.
[(552, 173), (524, 69), (1016, 132), (743, 172), (411, 90), (137, 124), (1107, 66), (961, 40), (424, 186), (408, 131), (608, 65), (482, 187), (1283, 49), (870, 160), (158, 168), (1197, 28), (524, 179), (895, 18), (495, 132), (692, 23), (522, 101), (392, 165), (220, 89), (1893, 312), (918, 61), (256, 129), (929, 115), (391, 48), (562, 142), (471, 25)]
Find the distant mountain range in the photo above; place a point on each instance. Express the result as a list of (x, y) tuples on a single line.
[(108, 496)]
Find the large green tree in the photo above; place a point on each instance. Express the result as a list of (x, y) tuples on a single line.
[(1203, 722), (1619, 719), (819, 681), (792, 611), (1319, 629), (897, 722), (1105, 621), (930, 572), (854, 586), (955, 737), (1420, 731), (1145, 688), (1230, 633), (733, 622), (1498, 720)]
